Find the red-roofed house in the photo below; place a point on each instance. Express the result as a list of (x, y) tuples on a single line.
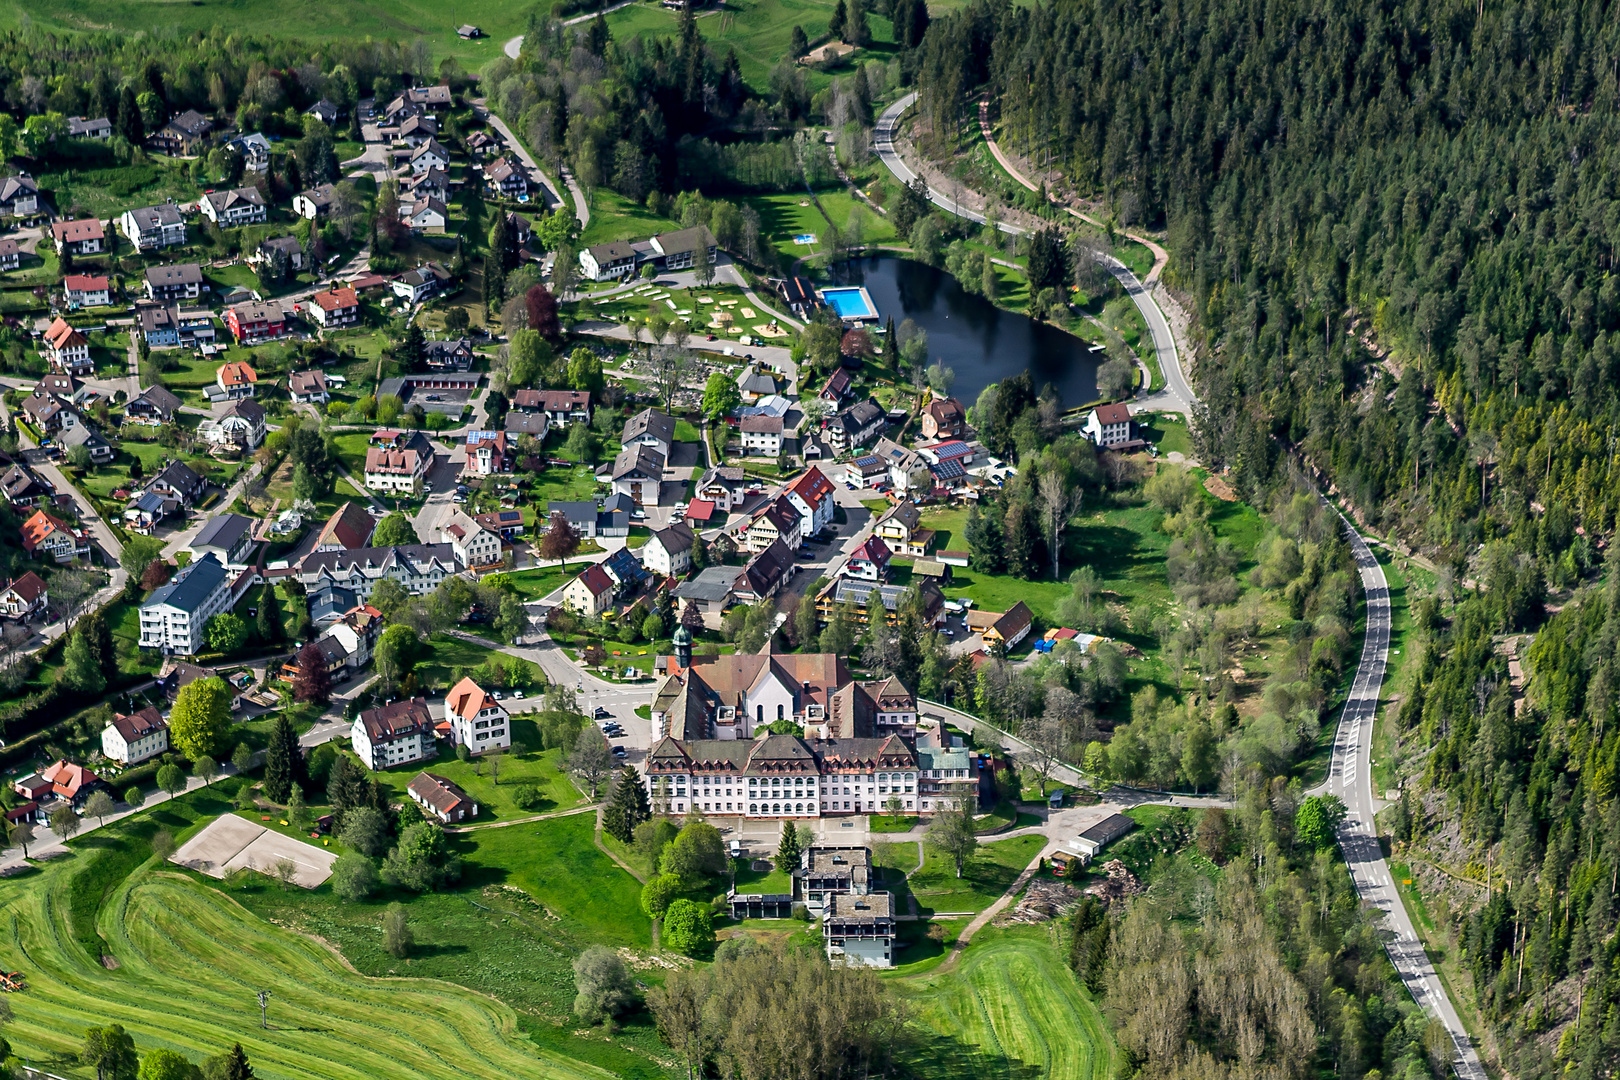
[(839, 385), (943, 419), (236, 379), (67, 349), (49, 534), (24, 596), (591, 593), (442, 798), (812, 495), (86, 237), (1109, 425), (487, 453), (349, 528), (335, 308), (72, 782), (396, 470), (87, 290), (870, 561), (477, 721)]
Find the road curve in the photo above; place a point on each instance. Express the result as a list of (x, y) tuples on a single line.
[(1350, 778), (1177, 395)]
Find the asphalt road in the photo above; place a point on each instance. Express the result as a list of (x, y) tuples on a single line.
[(1177, 395), (1350, 778)]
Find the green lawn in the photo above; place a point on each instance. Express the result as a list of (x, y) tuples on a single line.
[(189, 957), (1017, 1008), (761, 881), (442, 652), (613, 217), (538, 584), (986, 876), (537, 768)]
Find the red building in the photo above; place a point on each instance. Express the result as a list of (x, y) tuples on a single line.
[(255, 322)]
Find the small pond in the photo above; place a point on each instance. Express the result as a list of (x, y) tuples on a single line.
[(980, 341)]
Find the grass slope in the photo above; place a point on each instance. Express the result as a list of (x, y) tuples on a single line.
[(190, 959), (1018, 1009)]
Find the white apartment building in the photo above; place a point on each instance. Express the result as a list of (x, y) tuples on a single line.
[(477, 721), (131, 739), (395, 734), (174, 617)]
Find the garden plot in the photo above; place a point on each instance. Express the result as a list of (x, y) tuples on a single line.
[(231, 843)]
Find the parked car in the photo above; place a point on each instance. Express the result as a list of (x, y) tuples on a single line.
[(619, 750), (601, 713), (736, 849)]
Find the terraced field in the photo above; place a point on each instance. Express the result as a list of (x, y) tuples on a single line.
[(1019, 1011), (189, 962)]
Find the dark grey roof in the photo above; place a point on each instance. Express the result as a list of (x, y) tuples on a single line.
[(639, 459), (223, 532), (577, 513), (181, 477), (161, 398), (176, 274), (376, 558), (659, 425), (195, 585), (712, 585)]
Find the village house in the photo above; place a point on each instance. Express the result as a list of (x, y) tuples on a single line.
[(650, 428), (87, 290), (943, 418), (132, 739), (254, 150), (23, 598), (315, 203), (776, 521), (355, 631), (726, 486), (906, 468), (23, 489), (429, 155), (857, 425), (149, 228), (97, 128), (19, 196), (416, 130), (677, 250), (184, 135), (422, 283), (812, 495), (869, 561), (268, 251), (100, 450), (238, 206), (442, 798), (638, 472), (228, 536), (764, 574), (154, 403), (506, 177), (477, 720), (753, 382), (307, 387), (400, 464), (1001, 628), (455, 354), (865, 470), (902, 530), (335, 308), (255, 322), (394, 734), (178, 281), (860, 931), (327, 112), (49, 413), (428, 215), (83, 237), (839, 385), (10, 254), (487, 453), (1109, 426), (67, 349), (475, 547), (605, 262), (669, 551), (590, 593), (243, 425), (761, 436)]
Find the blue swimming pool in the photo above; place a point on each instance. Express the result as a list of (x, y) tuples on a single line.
[(850, 303)]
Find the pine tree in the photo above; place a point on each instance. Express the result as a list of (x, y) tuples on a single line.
[(891, 347), (787, 852), (130, 125), (94, 626), (983, 534), (494, 283), (81, 669), (269, 624), (664, 608), (412, 348), (1020, 542), (282, 761), (237, 1067), (840, 16), (628, 807)]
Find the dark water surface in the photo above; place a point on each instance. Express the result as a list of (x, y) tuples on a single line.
[(983, 343)]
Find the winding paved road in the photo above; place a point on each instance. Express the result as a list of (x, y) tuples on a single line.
[(1350, 778), (1177, 396)]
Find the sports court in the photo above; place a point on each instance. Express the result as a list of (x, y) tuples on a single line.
[(232, 843)]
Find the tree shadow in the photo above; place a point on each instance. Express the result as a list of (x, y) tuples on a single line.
[(940, 1057)]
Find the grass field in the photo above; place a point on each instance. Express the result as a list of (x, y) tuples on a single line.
[(538, 768), (1020, 1011), (986, 876), (189, 959)]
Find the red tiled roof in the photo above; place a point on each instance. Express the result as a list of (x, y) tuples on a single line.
[(85, 283), (29, 587), (237, 373), (336, 299), (1113, 414), (60, 335), (596, 580)]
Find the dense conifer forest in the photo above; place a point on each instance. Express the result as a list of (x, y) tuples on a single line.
[(1395, 224)]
